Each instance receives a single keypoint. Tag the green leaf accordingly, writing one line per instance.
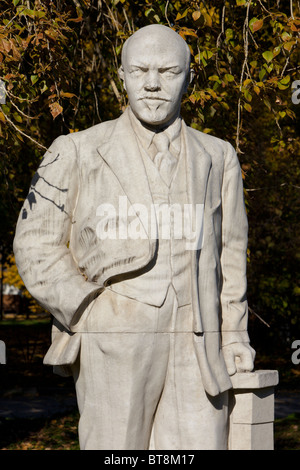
(225, 105)
(17, 117)
(214, 78)
(43, 86)
(15, 2)
(247, 95)
(229, 78)
(281, 86)
(268, 104)
(268, 68)
(180, 16)
(296, 290)
(268, 56)
(248, 107)
(33, 13)
(285, 80)
(240, 2)
(286, 36)
(6, 108)
(262, 73)
(276, 50)
(207, 54)
(118, 49)
(204, 63)
(34, 79)
(247, 82)
(229, 34)
(28, 12)
(40, 14)
(148, 11)
(201, 116)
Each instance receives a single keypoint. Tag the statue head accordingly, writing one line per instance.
(156, 73)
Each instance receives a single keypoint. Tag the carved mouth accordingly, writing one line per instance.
(153, 98)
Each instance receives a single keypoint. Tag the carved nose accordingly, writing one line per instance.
(152, 87)
(152, 82)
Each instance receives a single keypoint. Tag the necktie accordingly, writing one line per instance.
(164, 160)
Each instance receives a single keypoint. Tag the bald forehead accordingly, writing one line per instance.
(163, 39)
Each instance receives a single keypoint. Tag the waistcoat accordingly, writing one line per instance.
(172, 261)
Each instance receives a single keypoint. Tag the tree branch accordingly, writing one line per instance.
(21, 132)
(245, 63)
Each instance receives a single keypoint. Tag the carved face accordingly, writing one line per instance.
(155, 71)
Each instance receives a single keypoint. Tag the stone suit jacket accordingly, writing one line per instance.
(65, 265)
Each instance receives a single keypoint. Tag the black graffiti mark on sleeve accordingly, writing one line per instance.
(37, 177)
(31, 196)
(31, 199)
(50, 163)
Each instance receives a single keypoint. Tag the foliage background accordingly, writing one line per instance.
(59, 61)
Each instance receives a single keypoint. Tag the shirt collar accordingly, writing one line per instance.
(145, 135)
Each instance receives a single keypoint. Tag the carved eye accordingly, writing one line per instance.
(136, 72)
(169, 73)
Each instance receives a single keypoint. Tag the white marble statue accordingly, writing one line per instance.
(133, 236)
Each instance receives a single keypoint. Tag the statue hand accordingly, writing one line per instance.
(239, 357)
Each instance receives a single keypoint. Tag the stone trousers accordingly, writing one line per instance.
(138, 383)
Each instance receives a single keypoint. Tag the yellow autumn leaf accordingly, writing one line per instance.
(208, 19)
(196, 15)
(257, 25)
(67, 94)
(55, 109)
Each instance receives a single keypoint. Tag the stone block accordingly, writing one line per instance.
(251, 408)
(252, 437)
(257, 379)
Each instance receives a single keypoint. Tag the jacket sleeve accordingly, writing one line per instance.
(43, 230)
(234, 253)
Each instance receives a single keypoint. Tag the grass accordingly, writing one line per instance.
(27, 341)
(287, 433)
(60, 433)
(57, 433)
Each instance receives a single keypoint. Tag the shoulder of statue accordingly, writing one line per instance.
(98, 131)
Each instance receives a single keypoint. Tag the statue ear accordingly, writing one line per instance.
(192, 76)
(121, 75)
(189, 79)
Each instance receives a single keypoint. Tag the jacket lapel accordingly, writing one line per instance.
(121, 153)
(198, 165)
